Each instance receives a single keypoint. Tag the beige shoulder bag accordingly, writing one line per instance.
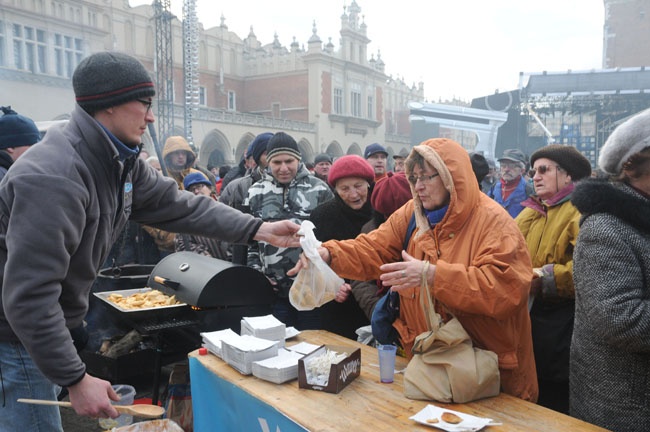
(445, 366)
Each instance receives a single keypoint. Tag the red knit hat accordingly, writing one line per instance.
(350, 166)
(390, 193)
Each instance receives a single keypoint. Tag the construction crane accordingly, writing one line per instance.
(190, 65)
(164, 68)
(549, 135)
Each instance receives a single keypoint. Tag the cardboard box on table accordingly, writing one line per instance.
(341, 374)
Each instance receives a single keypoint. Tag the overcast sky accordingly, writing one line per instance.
(458, 48)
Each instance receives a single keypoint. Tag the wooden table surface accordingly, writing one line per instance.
(368, 404)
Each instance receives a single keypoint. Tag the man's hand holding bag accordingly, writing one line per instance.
(445, 366)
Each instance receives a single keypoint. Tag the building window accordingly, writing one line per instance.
(3, 53)
(29, 49)
(68, 52)
(338, 101)
(275, 110)
(232, 101)
(371, 110)
(355, 103)
(203, 96)
(92, 19)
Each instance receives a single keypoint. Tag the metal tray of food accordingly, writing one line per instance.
(162, 311)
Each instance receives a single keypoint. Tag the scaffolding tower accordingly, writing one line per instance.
(164, 68)
(190, 65)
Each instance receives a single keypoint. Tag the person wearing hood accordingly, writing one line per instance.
(286, 191)
(179, 159)
(343, 218)
(610, 349)
(469, 249)
(17, 134)
(549, 223)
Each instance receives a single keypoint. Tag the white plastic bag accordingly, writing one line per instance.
(317, 284)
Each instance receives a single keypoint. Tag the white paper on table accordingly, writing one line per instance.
(303, 348)
(263, 322)
(291, 332)
(285, 358)
(213, 339)
(470, 423)
(250, 343)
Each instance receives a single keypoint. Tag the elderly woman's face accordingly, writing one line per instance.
(353, 191)
(429, 187)
(549, 178)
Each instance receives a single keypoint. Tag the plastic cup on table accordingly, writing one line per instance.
(387, 362)
(127, 395)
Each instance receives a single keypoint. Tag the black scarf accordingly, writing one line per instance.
(335, 220)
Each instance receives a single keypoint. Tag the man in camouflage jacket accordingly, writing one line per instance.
(286, 191)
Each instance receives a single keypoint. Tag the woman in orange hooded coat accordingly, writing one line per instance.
(480, 266)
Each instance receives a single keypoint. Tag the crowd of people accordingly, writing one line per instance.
(542, 264)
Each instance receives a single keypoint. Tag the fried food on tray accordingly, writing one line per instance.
(143, 300)
(450, 418)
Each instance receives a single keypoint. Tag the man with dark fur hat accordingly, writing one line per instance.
(550, 223)
(89, 182)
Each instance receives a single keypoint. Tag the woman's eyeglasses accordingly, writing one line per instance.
(424, 179)
(146, 103)
(543, 169)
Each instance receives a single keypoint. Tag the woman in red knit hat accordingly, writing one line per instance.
(342, 218)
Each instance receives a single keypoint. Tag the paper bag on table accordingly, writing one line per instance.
(317, 284)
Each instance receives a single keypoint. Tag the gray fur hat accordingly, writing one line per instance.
(627, 139)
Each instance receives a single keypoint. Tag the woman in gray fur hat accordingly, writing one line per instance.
(610, 350)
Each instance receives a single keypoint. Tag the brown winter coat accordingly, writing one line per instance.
(483, 269)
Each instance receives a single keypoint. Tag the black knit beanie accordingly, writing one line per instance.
(258, 146)
(282, 143)
(567, 157)
(17, 130)
(107, 79)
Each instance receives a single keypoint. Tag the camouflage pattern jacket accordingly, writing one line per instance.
(272, 201)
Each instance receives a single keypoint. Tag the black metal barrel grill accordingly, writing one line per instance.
(220, 292)
(216, 295)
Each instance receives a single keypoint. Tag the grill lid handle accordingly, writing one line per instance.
(166, 282)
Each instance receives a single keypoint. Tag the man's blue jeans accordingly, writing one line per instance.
(20, 378)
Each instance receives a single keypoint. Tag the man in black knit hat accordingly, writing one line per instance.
(89, 182)
(17, 134)
(286, 191)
